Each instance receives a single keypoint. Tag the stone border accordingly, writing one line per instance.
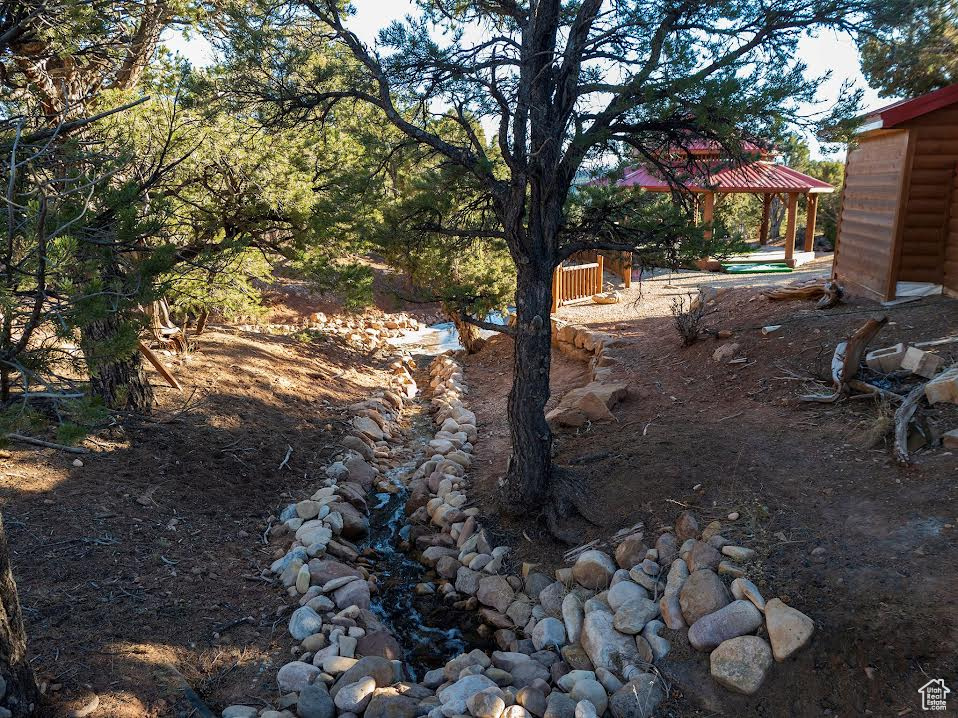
(574, 646)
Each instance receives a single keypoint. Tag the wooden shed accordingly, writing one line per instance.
(898, 229)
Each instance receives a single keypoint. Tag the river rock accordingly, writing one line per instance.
(548, 633)
(355, 593)
(572, 616)
(304, 622)
(238, 711)
(738, 553)
(741, 664)
(533, 700)
(515, 711)
(667, 547)
(360, 472)
(559, 705)
(324, 570)
(354, 697)
(294, 676)
(447, 567)
(576, 657)
(315, 702)
(687, 526)
(358, 445)
(585, 709)
(379, 643)
(638, 698)
(379, 669)
(431, 556)
(623, 592)
(485, 705)
(495, 591)
(355, 524)
(735, 619)
(520, 611)
(593, 569)
(702, 593)
(607, 648)
(455, 695)
(703, 556)
(659, 646)
(551, 598)
(789, 630)
(527, 673)
(467, 581)
(630, 552)
(390, 703)
(633, 615)
(592, 691)
(535, 582)
(745, 589)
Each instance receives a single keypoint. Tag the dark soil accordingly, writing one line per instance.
(801, 475)
(140, 564)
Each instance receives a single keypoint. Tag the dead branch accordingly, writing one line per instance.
(47, 444)
(158, 365)
(828, 293)
(846, 362)
(903, 416)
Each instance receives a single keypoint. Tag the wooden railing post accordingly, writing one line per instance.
(601, 276)
(556, 287)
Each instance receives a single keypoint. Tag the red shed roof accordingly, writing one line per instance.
(756, 177)
(905, 110)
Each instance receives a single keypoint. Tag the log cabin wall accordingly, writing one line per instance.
(929, 197)
(875, 177)
(951, 242)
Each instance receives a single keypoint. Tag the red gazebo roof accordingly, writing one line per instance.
(755, 177)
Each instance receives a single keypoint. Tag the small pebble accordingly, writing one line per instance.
(733, 516)
(77, 463)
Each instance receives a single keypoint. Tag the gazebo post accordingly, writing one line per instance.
(810, 222)
(766, 214)
(790, 230)
(707, 213)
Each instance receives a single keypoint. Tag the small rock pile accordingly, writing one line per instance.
(594, 401)
(368, 331)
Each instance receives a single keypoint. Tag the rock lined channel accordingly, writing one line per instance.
(387, 558)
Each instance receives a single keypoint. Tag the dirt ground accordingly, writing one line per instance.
(136, 569)
(802, 476)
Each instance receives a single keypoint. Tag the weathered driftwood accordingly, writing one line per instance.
(903, 417)
(846, 362)
(827, 292)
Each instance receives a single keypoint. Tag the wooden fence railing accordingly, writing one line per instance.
(618, 263)
(578, 281)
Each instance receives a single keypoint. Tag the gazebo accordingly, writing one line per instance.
(714, 174)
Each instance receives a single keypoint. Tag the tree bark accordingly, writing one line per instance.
(21, 690)
(469, 334)
(529, 478)
(119, 380)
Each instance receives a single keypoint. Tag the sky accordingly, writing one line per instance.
(828, 51)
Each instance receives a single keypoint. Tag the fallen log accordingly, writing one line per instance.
(847, 359)
(827, 292)
(47, 444)
(903, 417)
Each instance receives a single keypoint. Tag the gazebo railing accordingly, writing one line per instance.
(578, 281)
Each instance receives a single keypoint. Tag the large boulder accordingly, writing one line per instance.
(633, 615)
(360, 472)
(355, 524)
(379, 643)
(390, 703)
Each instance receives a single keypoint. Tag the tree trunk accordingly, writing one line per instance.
(469, 334)
(21, 690)
(119, 380)
(528, 481)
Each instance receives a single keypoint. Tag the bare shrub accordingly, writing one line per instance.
(687, 321)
